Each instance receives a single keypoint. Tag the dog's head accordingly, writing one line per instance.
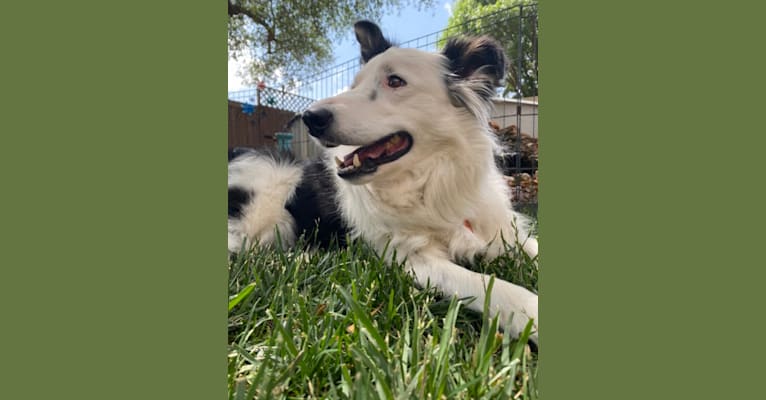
(407, 105)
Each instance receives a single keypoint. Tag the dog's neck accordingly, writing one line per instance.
(441, 192)
(397, 194)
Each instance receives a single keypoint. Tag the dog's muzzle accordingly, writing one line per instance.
(317, 121)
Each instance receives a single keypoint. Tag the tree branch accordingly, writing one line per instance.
(236, 9)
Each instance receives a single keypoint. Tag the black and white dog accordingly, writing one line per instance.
(408, 163)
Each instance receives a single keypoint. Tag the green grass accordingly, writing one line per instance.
(344, 324)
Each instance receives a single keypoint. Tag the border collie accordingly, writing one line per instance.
(408, 165)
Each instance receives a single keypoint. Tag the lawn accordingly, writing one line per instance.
(344, 324)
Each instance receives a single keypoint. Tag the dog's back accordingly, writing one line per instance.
(270, 194)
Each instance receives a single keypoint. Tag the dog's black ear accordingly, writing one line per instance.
(370, 39)
(476, 58)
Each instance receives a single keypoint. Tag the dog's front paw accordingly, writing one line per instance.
(236, 237)
(517, 304)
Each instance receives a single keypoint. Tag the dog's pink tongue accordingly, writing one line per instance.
(392, 146)
(372, 151)
(400, 145)
(365, 153)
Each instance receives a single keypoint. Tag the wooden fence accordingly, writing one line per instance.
(255, 126)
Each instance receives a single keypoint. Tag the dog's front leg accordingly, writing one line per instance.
(507, 299)
(530, 247)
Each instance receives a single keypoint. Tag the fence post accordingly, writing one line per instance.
(519, 96)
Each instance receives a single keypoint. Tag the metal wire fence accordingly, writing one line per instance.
(516, 25)
(272, 97)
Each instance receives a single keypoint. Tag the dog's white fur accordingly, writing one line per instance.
(418, 204)
(265, 217)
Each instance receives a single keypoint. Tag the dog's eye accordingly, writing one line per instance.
(396, 82)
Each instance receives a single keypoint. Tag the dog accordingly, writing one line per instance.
(408, 164)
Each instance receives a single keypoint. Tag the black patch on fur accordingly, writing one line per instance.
(238, 151)
(533, 347)
(476, 58)
(370, 39)
(476, 64)
(314, 207)
(374, 95)
(238, 198)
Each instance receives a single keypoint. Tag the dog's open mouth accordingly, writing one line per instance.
(366, 159)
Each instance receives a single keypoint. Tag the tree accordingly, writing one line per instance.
(290, 38)
(500, 19)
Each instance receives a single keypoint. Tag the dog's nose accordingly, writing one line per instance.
(317, 121)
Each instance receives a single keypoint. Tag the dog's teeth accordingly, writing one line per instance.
(357, 162)
(338, 161)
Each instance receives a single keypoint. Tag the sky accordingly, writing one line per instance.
(408, 24)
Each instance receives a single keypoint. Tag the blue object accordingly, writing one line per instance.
(284, 140)
(248, 109)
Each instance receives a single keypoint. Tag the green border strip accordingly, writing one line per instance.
(650, 119)
(113, 173)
